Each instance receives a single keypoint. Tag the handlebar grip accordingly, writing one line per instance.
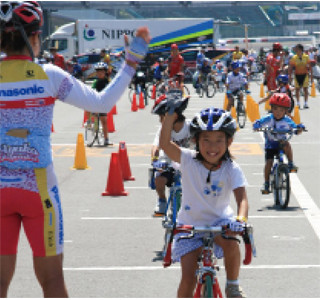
(248, 254)
(167, 259)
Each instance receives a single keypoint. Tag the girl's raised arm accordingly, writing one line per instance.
(170, 148)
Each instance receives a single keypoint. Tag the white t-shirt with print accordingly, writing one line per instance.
(181, 138)
(204, 203)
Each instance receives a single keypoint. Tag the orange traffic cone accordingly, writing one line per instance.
(262, 94)
(141, 101)
(154, 89)
(114, 110)
(313, 90)
(124, 162)
(114, 184)
(80, 160)
(85, 117)
(296, 115)
(225, 103)
(134, 106)
(110, 123)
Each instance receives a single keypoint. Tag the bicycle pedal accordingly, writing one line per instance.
(158, 215)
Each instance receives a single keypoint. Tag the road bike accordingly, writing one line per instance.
(279, 177)
(207, 281)
(206, 86)
(93, 130)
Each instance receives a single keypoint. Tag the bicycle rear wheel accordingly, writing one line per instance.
(207, 288)
(149, 89)
(130, 94)
(186, 91)
(241, 114)
(90, 133)
(211, 90)
(282, 186)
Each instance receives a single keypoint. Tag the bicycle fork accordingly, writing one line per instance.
(207, 268)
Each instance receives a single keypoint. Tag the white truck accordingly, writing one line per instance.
(85, 35)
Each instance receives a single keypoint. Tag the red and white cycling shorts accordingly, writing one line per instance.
(30, 197)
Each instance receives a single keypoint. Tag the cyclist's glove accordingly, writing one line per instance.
(137, 50)
(299, 126)
(237, 226)
(176, 104)
(256, 125)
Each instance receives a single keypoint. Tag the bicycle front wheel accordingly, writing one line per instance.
(283, 186)
(207, 288)
(241, 114)
(90, 133)
(211, 89)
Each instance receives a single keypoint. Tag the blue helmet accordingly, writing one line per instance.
(235, 65)
(283, 79)
(213, 119)
(101, 66)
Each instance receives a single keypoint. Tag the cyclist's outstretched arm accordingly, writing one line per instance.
(240, 195)
(72, 91)
(170, 148)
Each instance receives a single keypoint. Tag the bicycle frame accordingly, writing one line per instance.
(279, 168)
(207, 271)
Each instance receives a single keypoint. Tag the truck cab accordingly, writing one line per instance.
(65, 40)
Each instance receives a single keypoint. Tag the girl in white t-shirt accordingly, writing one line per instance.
(209, 176)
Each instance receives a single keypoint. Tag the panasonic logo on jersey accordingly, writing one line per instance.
(32, 90)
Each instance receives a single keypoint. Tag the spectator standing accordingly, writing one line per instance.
(274, 63)
(176, 61)
(57, 59)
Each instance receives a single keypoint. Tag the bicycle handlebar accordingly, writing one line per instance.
(275, 131)
(247, 236)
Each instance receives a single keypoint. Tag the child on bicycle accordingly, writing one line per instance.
(99, 84)
(278, 119)
(234, 83)
(209, 175)
(180, 134)
(283, 87)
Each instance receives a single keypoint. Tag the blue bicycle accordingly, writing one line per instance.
(279, 177)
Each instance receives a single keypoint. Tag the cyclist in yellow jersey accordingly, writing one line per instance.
(236, 55)
(300, 63)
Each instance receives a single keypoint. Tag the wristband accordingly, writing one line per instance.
(242, 219)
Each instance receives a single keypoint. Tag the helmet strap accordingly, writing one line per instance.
(24, 35)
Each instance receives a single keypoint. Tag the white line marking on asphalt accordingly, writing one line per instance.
(157, 268)
(152, 218)
(307, 204)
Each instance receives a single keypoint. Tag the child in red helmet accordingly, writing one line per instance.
(277, 119)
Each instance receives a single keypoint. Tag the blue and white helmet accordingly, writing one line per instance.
(213, 119)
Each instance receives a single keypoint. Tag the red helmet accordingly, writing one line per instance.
(277, 46)
(160, 105)
(280, 99)
(15, 13)
(174, 46)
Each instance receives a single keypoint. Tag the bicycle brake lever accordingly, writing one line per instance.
(186, 237)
